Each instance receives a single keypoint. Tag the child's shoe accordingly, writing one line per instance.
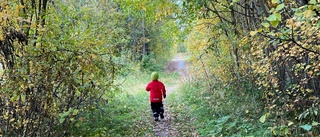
(161, 116)
(156, 119)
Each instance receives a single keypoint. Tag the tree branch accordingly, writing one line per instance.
(217, 13)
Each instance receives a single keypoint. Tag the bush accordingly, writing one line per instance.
(149, 63)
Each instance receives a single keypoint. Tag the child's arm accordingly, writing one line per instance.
(164, 91)
(148, 88)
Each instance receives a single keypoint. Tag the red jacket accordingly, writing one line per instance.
(156, 89)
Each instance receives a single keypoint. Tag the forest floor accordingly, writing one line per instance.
(167, 127)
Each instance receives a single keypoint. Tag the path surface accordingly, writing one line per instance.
(165, 127)
(178, 64)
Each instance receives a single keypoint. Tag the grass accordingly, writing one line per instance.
(194, 110)
(219, 113)
(127, 113)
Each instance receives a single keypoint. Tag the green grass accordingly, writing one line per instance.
(127, 113)
(219, 113)
(192, 108)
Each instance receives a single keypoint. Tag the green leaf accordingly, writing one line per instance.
(274, 23)
(272, 17)
(75, 112)
(272, 10)
(314, 123)
(23, 98)
(61, 120)
(318, 25)
(265, 24)
(284, 131)
(235, 1)
(64, 114)
(313, 2)
(280, 7)
(278, 15)
(223, 119)
(306, 127)
(262, 119)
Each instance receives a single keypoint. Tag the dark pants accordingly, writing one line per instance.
(157, 108)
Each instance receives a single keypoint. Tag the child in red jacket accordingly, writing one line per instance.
(157, 90)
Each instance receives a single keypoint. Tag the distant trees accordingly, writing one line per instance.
(152, 31)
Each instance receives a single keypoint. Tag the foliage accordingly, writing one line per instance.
(59, 64)
(128, 113)
(152, 30)
(219, 113)
(125, 114)
(150, 64)
(266, 45)
(62, 61)
(293, 58)
(210, 52)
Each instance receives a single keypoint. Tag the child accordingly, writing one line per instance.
(157, 90)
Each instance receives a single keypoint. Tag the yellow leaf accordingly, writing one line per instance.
(12, 119)
(290, 123)
(274, 1)
(309, 90)
(274, 132)
(33, 25)
(290, 23)
(308, 13)
(93, 56)
(31, 85)
(20, 19)
(252, 33)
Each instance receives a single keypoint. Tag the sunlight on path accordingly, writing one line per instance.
(179, 64)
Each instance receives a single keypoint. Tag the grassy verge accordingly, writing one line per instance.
(219, 113)
(128, 112)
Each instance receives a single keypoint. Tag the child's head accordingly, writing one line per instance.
(154, 75)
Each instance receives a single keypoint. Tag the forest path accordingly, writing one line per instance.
(165, 127)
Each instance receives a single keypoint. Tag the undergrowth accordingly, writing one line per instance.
(220, 113)
(127, 112)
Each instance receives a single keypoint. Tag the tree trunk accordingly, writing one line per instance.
(143, 35)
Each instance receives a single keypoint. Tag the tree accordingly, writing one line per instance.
(60, 59)
(147, 21)
(272, 46)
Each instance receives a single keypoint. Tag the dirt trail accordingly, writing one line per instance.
(178, 64)
(165, 127)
